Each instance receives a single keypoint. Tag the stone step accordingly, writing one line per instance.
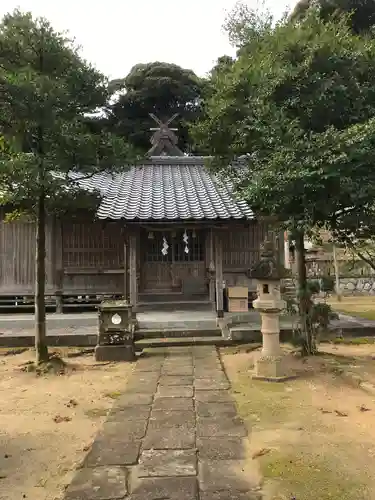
(151, 333)
(178, 342)
(177, 325)
(183, 305)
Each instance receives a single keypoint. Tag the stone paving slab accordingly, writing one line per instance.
(185, 361)
(171, 488)
(178, 365)
(171, 391)
(207, 361)
(170, 418)
(224, 448)
(215, 409)
(176, 380)
(164, 463)
(210, 385)
(173, 404)
(186, 371)
(103, 483)
(174, 434)
(213, 397)
(113, 450)
(129, 432)
(210, 373)
(172, 438)
(221, 426)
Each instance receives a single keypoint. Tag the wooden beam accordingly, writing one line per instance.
(219, 275)
(132, 249)
(57, 262)
(211, 266)
(126, 274)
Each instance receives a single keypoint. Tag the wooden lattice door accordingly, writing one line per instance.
(170, 270)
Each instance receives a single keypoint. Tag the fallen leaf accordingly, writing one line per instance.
(324, 411)
(261, 452)
(341, 413)
(58, 419)
(364, 408)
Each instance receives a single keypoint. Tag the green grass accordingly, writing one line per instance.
(113, 395)
(363, 307)
(354, 340)
(355, 311)
(310, 477)
(96, 412)
(303, 461)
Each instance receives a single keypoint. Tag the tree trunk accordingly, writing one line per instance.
(303, 295)
(40, 280)
(337, 273)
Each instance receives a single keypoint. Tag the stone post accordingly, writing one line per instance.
(268, 273)
(116, 332)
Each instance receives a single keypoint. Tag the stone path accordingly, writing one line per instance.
(174, 435)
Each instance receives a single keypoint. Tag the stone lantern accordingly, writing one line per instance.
(268, 273)
(116, 332)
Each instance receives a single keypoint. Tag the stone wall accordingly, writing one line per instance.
(358, 285)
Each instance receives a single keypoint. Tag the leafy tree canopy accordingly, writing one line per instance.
(362, 12)
(299, 106)
(47, 90)
(160, 88)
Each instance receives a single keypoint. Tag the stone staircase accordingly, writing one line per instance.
(178, 328)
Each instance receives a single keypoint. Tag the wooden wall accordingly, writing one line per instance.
(17, 258)
(241, 246)
(86, 257)
(92, 257)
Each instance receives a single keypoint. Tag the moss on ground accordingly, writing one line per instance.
(354, 341)
(96, 413)
(113, 395)
(303, 460)
(310, 477)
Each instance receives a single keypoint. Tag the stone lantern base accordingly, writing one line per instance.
(271, 369)
(115, 353)
(116, 332)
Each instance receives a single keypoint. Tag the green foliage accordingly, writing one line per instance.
(160, 88)
(298, 106)
(319, 315)
(47, 91)
(327, 284)
(362, 12)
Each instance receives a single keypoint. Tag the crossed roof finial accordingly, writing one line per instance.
(164, 140)
(164, 125)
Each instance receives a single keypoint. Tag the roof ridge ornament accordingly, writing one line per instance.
(164, 140)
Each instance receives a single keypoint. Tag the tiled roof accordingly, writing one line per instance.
(167, 188)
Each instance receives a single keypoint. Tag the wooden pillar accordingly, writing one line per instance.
(125, 271)
(133, 294)
(219, 275)
(57, 263)
(211, 266)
